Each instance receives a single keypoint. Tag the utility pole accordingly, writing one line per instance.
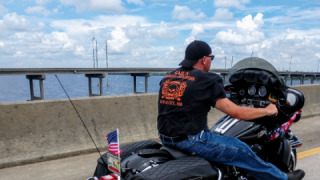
(107, 65)
(232, 62)
(93, 52)
(97, 54)
(290, 64)
(225, 62)
(318, 65)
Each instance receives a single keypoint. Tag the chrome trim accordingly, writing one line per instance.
(219, 173)
(293, 160)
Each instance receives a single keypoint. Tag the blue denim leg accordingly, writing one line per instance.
(230, 151)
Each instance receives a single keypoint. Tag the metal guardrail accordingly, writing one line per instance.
(19, 71)
(26, 71)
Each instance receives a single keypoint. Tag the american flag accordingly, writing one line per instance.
(113, 142)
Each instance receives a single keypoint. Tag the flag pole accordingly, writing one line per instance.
(118, 177)
(118, 143)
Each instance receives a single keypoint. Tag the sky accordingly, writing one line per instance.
(155, 33)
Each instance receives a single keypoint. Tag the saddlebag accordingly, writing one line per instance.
(102, 167)
(154, 168)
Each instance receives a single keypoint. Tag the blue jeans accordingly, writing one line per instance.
(229, 151)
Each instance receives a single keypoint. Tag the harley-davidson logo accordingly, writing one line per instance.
(172, 91)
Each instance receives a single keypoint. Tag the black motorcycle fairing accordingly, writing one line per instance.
(255, 76)
(251, 75)
(258, 64)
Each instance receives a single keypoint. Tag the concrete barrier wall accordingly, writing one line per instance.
(312, 99)
(48, 129)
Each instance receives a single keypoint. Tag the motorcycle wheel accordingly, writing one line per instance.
(129, 149)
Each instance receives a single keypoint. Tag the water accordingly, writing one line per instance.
(16, 88)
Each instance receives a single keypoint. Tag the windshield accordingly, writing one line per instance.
(255, 63)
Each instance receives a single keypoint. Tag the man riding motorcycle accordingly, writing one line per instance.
(185, 98)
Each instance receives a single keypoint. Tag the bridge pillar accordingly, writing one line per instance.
(100, 76)
(302, 79)
(146, 75)
(224, 76)
(39, 77)
(312, 79)
(285, 79)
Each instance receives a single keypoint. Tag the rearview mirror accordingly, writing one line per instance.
(291, 99)
(294, 100)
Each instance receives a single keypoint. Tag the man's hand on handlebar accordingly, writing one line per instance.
(272, 110)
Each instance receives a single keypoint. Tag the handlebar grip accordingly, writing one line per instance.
(267, 103)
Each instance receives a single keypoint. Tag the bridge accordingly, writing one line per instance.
(100, 73)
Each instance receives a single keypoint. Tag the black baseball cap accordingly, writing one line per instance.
(194, 51)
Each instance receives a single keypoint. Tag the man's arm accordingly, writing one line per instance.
(244, 113)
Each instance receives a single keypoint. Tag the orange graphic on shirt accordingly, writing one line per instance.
(173, 90)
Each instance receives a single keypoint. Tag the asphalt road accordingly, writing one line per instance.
(83, 166)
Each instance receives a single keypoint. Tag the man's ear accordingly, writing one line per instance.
(203, 60)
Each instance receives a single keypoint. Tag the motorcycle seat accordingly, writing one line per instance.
(175, 153)
(147, 153)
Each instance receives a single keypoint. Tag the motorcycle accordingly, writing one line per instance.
(252, 82)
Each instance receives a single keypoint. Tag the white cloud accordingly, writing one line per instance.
(249, 24)
(138, 2)
(196, 30)
(107, 5)
(246, 32)
(13, 22)
(151, 39)
(230, 3)
(222, 13)
(101, 5)
(162, 31)
(19, 54)
(183, 13)
(80, 26)
(38, 10)
(57, 38)
(118, 40)
(291, 44)
(248, 38)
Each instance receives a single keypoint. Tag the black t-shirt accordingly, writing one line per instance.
(185, 98)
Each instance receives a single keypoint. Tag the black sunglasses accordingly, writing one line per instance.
(212, 57)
